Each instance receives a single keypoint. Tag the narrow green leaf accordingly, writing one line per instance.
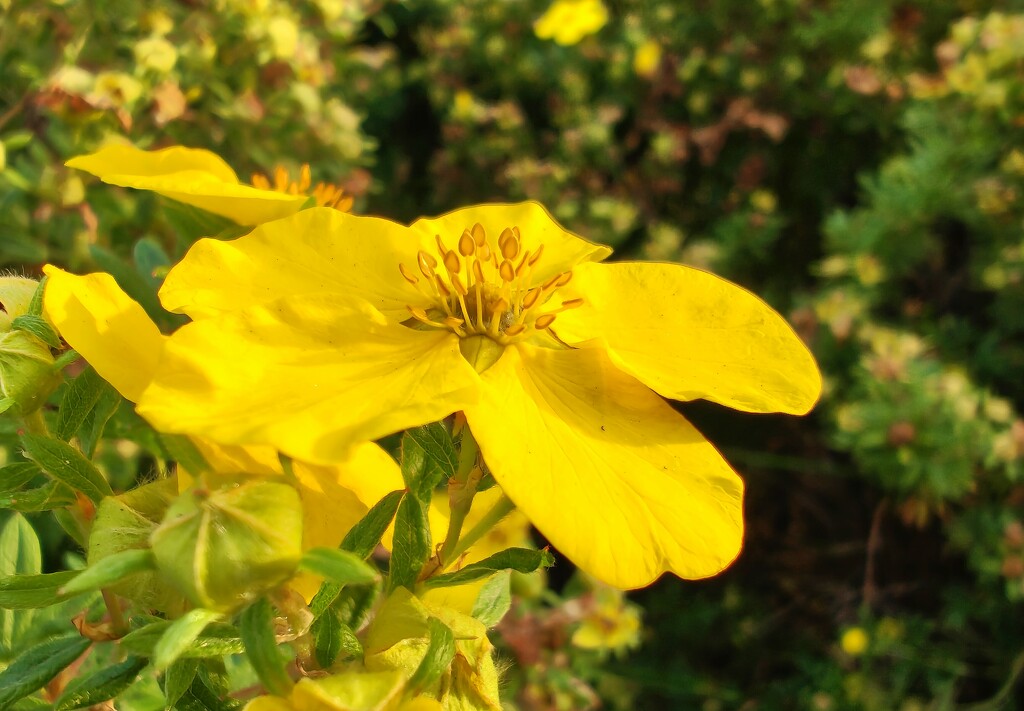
(354, 604)
(180, 634)
(131, 281)
(178, 679)
(439, 656)
(257, 625)
(214, 641)
(521, 560)
(326, 631)
(181, 449)
(79, 399)
(53, 495)
(67, 464)
(339, 566)
(99, 686)
(38, 327)
(92, 429)
(14, 476)
(19, 555)
(410, 546)
(112, 569)
(35, 667)
(365, 536)
(428, 458)
(24, 592)
(494, 599)
(35, 306)
(151, 261)
(209, 692)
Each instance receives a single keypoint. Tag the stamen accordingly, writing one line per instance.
(452, 263)
(531, 298)
(498, 309)
(479, 235)
(421, 315)
(478, 273)
(506, 271)
(564, 279)
(441, 287)
(536, 257)
(544, 321)
(305, 178)
(466, 244)
(411, 278)
(459, 287)
(515, 329)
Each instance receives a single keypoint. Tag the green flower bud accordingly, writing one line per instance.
(27, 375)
(126, 522)
(223, 548)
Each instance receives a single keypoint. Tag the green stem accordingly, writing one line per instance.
(461, 490)
(502, 508)
(36, 424)
(117, 622)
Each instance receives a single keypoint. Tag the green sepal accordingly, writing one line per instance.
(38, 327)
(438, 658)
(494, 599)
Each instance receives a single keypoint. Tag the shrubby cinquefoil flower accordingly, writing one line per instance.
(202, 179)
(325, 329)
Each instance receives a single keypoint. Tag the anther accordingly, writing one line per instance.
(466, 244)
(453, 323)
(305, 178)
(531, 298)
(515, 329)
(510, 247)
(515, 231)
(506, 271)
(536, 257)
(544, 321)
(451, 262)
(411, 278)
(426, 264)
(572, 304)
(484, 252)
(444, 291)
(478, 234)
(564, 279)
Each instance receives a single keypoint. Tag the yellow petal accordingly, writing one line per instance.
(689, 334)
(110, 330)
(231, 459)
(317, 250)
(189, 175)
(309, 375)
(617, 480)
(563, 250)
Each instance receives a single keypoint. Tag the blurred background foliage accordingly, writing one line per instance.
(859, 163)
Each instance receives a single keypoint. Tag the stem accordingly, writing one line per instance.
(461, 490)
(117, 622)
(502, 508)
(36, 424)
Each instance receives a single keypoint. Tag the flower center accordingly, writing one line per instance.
(483, 288)
(325, 194)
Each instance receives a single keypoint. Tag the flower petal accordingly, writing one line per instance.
(563, 250)
(309, 375)
(689, 334)
(316, 250)
(189, 175)
(110, 330)
(617, 480)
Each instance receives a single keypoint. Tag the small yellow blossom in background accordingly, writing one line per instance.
(200, 178)
(569, 21)
(647, 58)
(3, 156)
(325, 329)
(764, 201)
(283, 34)
(157, 54)
(114, 90)
(854, 641)
(610, 623)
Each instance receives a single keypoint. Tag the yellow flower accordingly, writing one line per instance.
(116, 336)
(200, 178)
(156, 53)
(854, 641)
(324, 329)
(610, 623)
(568, 21)
(647, 58)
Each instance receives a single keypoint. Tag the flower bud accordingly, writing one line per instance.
(27, 375)
(224, 547)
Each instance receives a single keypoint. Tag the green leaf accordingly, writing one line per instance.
(151, 261)
(38, 327)
(410, 546)
(439, 656)
(14, 476)
(53, 495)
(110, 570)
(35, 306)
(208, 692)
(365, 536)
(67, 464)
(24, 592)
(181, 449)
(35, 667)
(178, 679)
(214, 641)
(521, 560)
(132, 282)
(326, 632)
(96, 421)
(99, 686)
(257, 625)
(80, 397)
(494, 599)
(338, 566)
(19, 555)
(180, 635)
(428, 458)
